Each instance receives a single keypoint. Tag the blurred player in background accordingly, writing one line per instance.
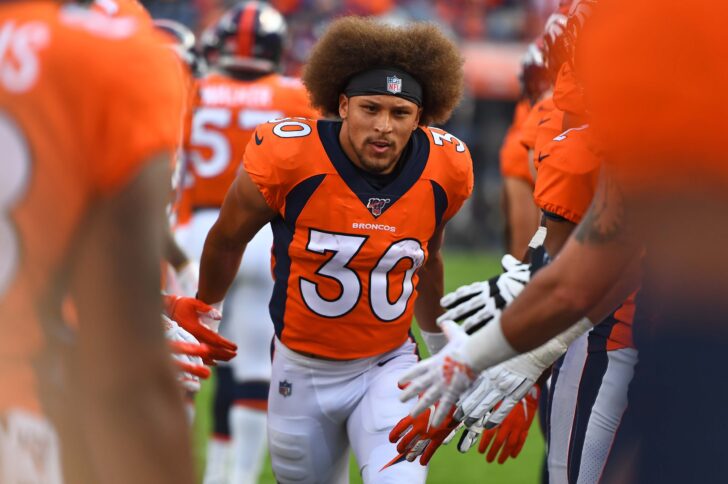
(661, 192)
(358, 208)
(522, 216)
(242, 89)
(85, 154)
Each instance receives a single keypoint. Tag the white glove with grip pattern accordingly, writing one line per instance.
(441, 378)
(509, 381)
(478, 303)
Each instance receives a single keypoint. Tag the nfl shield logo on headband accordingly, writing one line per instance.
(394, 84)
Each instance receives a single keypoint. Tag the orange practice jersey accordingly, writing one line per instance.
(223, 120)
(345, 253)
(84, 100)
(513, 155)
(566, 184)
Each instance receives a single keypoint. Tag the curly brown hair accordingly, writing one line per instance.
(355, 44)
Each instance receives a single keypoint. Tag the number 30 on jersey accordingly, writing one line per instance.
(345, 249)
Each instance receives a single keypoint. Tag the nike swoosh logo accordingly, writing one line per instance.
(382, 363)
(542, 157)
(543, 121)
(258, 141)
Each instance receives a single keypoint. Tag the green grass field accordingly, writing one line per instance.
(447, 466)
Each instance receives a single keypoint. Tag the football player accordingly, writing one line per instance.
(647, 197)
(86, 148)
(243, 89)
(357, 207)
(522, 217)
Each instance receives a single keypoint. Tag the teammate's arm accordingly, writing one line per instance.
(595, 258)
(430, 288)
(130, 403)
(244, 212)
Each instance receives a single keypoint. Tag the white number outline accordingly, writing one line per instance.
(380, 304)
(439, 138)
(18, 183)
(309, 289)
(379, 307)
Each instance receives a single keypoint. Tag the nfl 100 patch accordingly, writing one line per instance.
(376, 205)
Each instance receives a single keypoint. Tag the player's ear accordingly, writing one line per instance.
(417, 120)
(343, 106)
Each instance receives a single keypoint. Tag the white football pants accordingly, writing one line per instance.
(589, 397)
(318, 408)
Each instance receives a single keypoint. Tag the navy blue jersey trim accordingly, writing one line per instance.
(592, 375)
(440, 202)
(419, 152)
(283, 230)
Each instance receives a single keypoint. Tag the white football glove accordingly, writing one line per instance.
(478, 303)
(509, 381)
(184, 348)
(443, 377)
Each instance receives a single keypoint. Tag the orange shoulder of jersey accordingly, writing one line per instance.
(540, 113)
(546, 131)
(567, 179)
(281, 154)
(451, 168)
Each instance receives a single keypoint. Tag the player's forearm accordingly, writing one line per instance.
(219, 265)
(575, 285)
(429, 292)
(173, 252)
(127, 405)
(138, 426)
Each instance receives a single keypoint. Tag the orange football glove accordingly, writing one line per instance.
(201, 321)
(416, 437)
(509, 436)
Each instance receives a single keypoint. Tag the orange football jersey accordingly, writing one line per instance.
(567, 93)
(223, 120)
(567, 179)
(544, 122)
(566, 184)
(513, 155)
(346, 254)
(543, 115)
(85, 99)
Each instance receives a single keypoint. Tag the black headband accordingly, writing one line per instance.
(390, 81)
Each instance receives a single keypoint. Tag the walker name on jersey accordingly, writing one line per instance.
(229, 95)
(368, 226)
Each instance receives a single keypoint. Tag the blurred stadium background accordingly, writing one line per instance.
(493, 35)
